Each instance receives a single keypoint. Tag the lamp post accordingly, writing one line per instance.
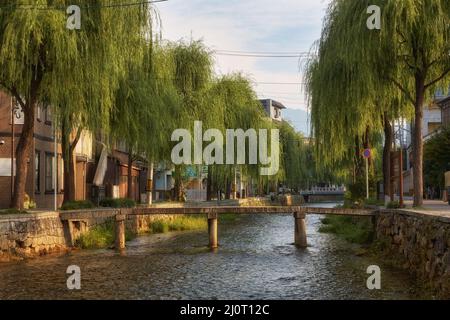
(15, 113)
(401, 129)
(55, 167)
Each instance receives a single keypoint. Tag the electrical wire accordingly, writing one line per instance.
(97, 6)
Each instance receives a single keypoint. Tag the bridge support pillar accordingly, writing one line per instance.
(120, 231)
(212, 229)
(300, 230)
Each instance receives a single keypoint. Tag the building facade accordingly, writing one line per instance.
(273, 109)
(444, 104)
(44, 161)
(45, 180)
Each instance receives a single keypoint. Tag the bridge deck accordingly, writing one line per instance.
(254, 210)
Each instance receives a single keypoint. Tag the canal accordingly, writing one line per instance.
(256, 260)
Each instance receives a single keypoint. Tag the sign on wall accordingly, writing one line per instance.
(5, 167)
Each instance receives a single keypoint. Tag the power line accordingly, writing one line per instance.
(280, 83)
(97, 6)
(259, 55)
(265, 52)
(287, 95)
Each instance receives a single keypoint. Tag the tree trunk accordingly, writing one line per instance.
(228, 189)
(388, 139)
(25, 144)
(68, 149)
(178, 184)
(209, 185)
(69, 177)
(23, 153)
(130, 175)
(358, 160)
(418, 141)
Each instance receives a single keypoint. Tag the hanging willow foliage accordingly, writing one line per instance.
(360, 74)
(76, 72)
(234, 105)
(148, 107)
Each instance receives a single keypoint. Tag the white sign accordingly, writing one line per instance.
(5, 167)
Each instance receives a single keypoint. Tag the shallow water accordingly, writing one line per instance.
(256, 260)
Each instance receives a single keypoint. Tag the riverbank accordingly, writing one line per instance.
(358, 230)
(416, 241)
(25, 235)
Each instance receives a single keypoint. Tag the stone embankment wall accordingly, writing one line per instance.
(28, 235)
(78, 222)
(284, 200)
(141, 224)
(420, 243)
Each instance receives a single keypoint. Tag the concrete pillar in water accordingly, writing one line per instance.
(300, 230)
(120, 231)
(212, 229)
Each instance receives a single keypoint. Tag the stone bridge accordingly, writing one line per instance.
(299, 213)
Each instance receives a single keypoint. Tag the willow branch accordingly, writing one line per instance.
(442, 76)
(398, 85)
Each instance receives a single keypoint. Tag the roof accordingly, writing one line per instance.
(443, 101)
(275, 103)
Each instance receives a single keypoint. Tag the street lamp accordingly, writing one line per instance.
(400, 160)
(15, 113)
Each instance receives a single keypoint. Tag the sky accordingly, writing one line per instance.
(279, 26)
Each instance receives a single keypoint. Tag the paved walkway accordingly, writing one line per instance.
(430, 207)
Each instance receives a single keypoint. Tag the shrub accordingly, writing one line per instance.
(374, 202)
(353, 229)
(357, 191)
(97, 238)
(100, 237)
(77, 205)
(13, 211)
(179, 223)
(118, 203)
(393, 205)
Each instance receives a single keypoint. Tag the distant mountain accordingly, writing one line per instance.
(298, 118)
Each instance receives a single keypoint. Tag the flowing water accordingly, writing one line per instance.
(256, 260)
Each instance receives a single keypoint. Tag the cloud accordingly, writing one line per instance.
(250, 25)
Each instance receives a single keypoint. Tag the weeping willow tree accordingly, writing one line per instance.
(76, 72)
(294, 161)
(415, 57)
(147, 109)
(362, 79)
(345, 99)
(233, 105)
(192, 72)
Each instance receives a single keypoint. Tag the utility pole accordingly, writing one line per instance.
(150, 184)
(400, 165)
(13, 112)
(367, 178)
(55, 167)
(367, 155)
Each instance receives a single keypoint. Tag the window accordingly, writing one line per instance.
(277, 113)
(60, 174)
(37, 171)
(39, 112)
(49, 168)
